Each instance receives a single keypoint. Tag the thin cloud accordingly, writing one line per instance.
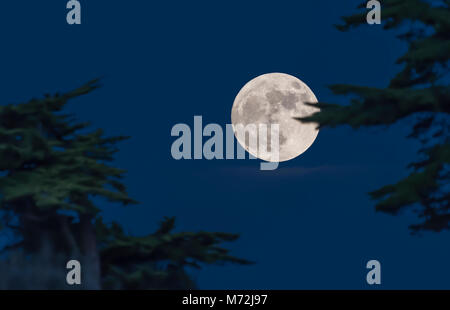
(297, 171)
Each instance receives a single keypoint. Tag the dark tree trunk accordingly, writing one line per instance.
(91, 264)
(68, 237)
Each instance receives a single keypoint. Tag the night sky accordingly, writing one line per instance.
(308, 225)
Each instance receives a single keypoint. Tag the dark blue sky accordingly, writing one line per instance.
(310, 224)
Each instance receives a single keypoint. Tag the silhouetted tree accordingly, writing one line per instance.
(158, 260)
(419, 90)
(51, 169)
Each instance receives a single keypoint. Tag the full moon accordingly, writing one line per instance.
(276, 98)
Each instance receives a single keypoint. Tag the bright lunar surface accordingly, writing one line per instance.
(276, 98)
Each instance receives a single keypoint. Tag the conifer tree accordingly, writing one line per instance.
(51, 169)
(420, 90)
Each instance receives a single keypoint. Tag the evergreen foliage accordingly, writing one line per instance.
(52, 168)
(420, 90)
